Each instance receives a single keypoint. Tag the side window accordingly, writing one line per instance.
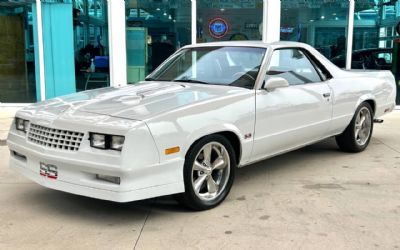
(294, 66)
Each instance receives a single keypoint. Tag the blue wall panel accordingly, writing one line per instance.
(58, 49)
(58, 42)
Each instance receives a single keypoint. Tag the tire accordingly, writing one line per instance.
(355, 138)
(202, 173)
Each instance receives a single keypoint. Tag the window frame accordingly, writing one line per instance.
(319, 67)
(314, 62)
(176, 54)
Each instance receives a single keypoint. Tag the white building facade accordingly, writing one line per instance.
(50, 48)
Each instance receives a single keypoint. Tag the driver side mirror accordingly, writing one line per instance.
(275, 82)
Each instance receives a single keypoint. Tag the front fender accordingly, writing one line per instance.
(168, 135)
(182, 127)
(212, 129)
(139, 148)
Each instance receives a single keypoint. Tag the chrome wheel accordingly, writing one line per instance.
(362, 128)
(210, 171)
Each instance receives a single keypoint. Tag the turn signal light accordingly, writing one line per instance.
(173, 150)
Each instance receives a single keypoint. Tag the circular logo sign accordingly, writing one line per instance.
(218, 27)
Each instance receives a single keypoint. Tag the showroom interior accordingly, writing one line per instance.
(50, 48)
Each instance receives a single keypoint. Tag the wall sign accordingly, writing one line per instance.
(218, 27)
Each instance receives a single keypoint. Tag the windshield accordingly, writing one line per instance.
(233, 66)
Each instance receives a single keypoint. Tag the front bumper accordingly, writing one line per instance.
(77, 172)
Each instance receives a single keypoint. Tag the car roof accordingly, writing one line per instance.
(259, 44)
(333, 69)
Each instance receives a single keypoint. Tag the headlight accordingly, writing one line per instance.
(117, 142)
(98, 141)
(104, 141)
(21, 124)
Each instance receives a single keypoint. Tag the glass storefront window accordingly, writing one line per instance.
(378, 31)
(322, 24)
(91, 44)
(17, 53)
(96, 8)
(80, 6)
(154, 31)
(374, 38)
(225, 20)
(365, 37)
(75, 37)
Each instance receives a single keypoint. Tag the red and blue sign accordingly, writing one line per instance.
(218, 28)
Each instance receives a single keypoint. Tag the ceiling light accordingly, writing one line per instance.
(322, 17)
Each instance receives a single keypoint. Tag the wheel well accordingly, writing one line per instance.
(232, 138)
(372, 104)
(235, 142)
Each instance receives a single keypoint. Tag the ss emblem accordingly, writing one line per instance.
(49, 171)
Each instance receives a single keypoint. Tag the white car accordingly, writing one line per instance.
(207, 110)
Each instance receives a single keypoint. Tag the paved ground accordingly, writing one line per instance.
(313, 198)
(6, 117)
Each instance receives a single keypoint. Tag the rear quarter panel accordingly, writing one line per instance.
(353, 88)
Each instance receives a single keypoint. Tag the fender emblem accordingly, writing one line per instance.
(247, 136)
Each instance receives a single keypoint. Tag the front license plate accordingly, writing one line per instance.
(49, 171)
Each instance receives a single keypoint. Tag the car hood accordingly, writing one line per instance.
(137, 102)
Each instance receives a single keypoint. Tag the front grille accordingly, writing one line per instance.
(55, 138)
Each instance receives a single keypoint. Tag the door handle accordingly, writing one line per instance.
(326, 95)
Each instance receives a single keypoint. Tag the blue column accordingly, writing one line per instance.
(58, 42)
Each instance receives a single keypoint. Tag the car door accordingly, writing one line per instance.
(292, 116)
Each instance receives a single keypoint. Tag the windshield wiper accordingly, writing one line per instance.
(190, 81)
(178, 80)
(154, 79)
